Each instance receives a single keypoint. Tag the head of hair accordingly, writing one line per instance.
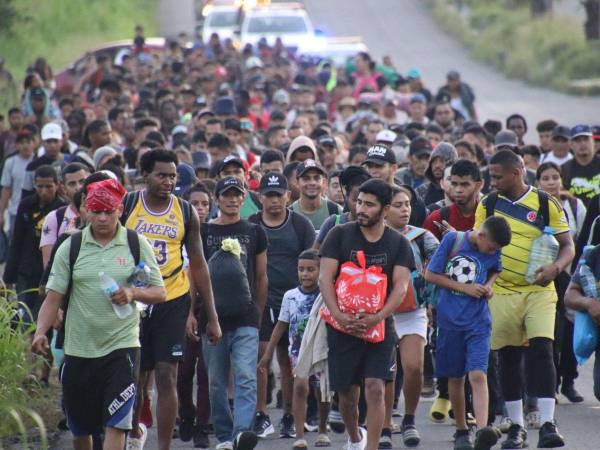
(466, 168)
(310, 254)
(498, 230)
(213, 121)
(271, 155)
(14, 110)
(149, 159)
(113, 114)
(507, 159)
(140, 124)
(72, 168)
(156, 136)
(46, 171)
(531, 150)
(219, 141)
(116, 169)
(355, 150)
(466, 145)
(546, 125)
(401, 190)
(290, 168)
(516, 116)
(198, 187)
(334, 174)
(93, 178)
(545, 166)
(271, 132)
(434, 128)
(379, 189)
(199, 137)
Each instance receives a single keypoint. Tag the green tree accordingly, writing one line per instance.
(592, 21)
(9, 16)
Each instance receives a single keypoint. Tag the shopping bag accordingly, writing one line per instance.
(585, 336)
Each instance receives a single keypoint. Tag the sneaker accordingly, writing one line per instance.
(439, 410)
(410, 436)
(336, 422)
(504, 424)
(385, 441)
(571, 393)
(262, 425)
(463, 441)
(201, 437)
(550, 437)
(138, 443)
(471, 422)
(227, 445)
(485, 438)
(533, 420)
(396, 413)
(186, 429)
(311, 425)
(517, 437)
(146, 413)
(428, 389)
(286, 427)
(358, 445)
(246, 440)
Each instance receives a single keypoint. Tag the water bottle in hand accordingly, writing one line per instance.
(544, 251)
(586, 276)
(109, 287)
(140, 278)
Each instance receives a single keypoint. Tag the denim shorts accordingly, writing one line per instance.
(459, 352)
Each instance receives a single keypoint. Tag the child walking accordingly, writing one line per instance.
(295, 310)
(465, 266)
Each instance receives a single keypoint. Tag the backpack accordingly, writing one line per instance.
(332, 208)
(76, 239)
(543, 211)
(419, 292)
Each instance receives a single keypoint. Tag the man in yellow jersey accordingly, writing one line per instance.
(169, 223)
(523, 313)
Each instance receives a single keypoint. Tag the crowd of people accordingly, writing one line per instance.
(256, 177)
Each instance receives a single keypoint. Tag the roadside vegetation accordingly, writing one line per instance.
(547, 50)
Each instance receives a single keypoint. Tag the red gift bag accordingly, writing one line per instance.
(360, 290)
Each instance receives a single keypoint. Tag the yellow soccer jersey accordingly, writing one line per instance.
(522, 217)
(166, 232)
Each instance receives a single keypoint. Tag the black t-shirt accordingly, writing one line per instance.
(582, 181)
(286, 242)
(253, 241)
(344, 241)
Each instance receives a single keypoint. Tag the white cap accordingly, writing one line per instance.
(253, 62)
(52, 131)
(386, 136)
(179, 129)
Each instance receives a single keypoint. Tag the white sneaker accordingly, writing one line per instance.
(504, 424)
(138, 443)
(227, 445)
(361, 444)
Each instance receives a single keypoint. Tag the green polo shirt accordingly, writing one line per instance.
(92, 328)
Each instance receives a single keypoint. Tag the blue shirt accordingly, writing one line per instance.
(455, 310)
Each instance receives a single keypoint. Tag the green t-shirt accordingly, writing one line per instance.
(249, 207)
(92, 328)
(319, 216)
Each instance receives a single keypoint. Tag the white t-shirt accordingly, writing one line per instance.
(551, 157)
(13, 176)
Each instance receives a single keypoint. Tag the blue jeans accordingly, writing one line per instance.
(238, 350)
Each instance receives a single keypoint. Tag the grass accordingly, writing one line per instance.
(61, 30)
(549, 51)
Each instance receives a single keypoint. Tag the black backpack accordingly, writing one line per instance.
(76, 238)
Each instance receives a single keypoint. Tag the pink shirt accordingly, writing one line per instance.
(51, 229)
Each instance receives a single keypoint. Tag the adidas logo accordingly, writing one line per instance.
(273, 181)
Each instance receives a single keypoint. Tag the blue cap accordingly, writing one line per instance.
(418, 98)
(224, 106)
(581, 130)
(185, 178)
(414, 73)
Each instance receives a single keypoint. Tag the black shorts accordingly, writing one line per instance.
(351, 359)
(100, 392)
(269, 320)
(162, 332)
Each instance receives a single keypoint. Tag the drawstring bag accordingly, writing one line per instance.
(360, 290)
(229, 280)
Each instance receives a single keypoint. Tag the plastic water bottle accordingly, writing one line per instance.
(544, 251)
(109, 287)
(586, 276)
(140, 277)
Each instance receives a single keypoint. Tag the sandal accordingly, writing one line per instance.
(300, 444)
(439, 410)
(323, 441)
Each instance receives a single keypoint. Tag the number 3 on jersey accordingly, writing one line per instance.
(160, 251)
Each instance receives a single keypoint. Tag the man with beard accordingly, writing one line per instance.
(356, 360)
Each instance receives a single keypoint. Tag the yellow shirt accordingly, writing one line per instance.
(166, 232)
(521, 215)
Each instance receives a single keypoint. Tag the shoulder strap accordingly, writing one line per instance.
(76, 239)
(445, 213)
(414, 233)
(186, 210)
(60, 216)
(337, 219)
(133, 241)
(490, 203)
(295, 218)
(573, 204)
(458, 242)
(129, 203)
(332, 208)
(544, 210)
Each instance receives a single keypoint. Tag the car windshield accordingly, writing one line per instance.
(222, 19)
(277, 24)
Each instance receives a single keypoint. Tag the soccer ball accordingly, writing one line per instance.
(462, 269)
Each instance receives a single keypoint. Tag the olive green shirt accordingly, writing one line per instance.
(92, 328)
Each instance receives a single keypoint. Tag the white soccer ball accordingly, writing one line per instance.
(462, 269)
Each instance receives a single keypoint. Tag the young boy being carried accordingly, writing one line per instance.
(295, 311)
(465, 267)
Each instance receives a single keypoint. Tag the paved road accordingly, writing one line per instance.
(405, 30)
